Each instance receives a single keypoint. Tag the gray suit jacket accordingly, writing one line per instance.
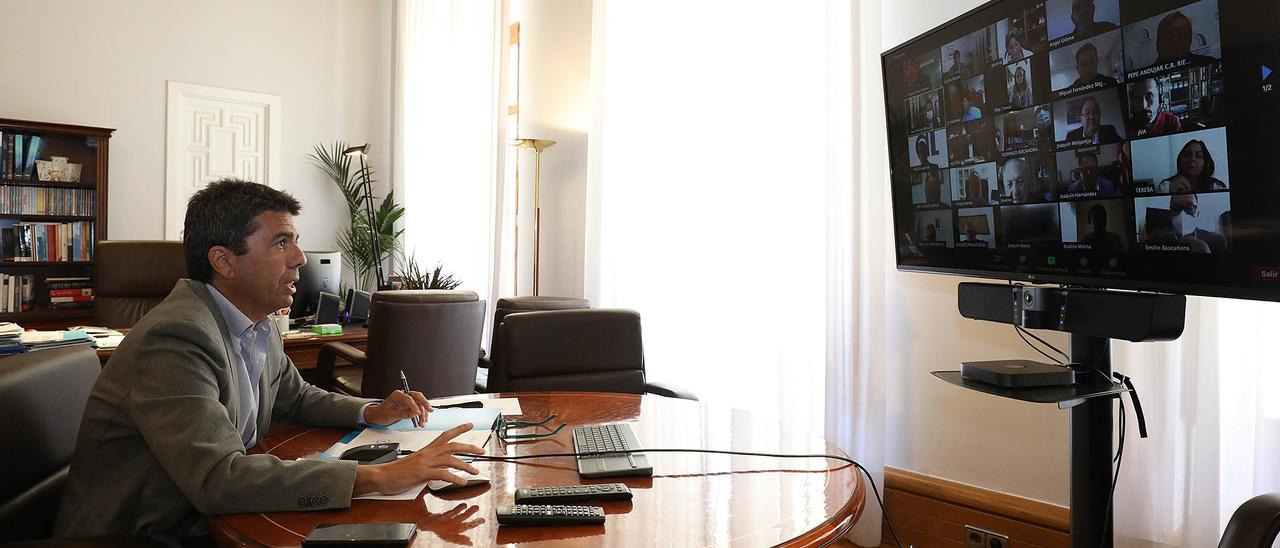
(158, 445)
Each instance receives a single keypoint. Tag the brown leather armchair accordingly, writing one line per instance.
(1254, 524)
(132, 277)
(432, 335)
(595, 350)
(42, 398)
(512, 305)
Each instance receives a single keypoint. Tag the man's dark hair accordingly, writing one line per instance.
(1088, 46)
(225, 213)
(1163, 27)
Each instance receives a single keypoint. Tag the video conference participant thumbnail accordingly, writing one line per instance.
(1027, 179)
(976, 227)
(1187, 35)
(1091, 172)
(1100, 226)
(972, 143)
(1184, 99)
(921, 72)
(925, 111)
(1029, 226)
(974, 185)
(928, 150)
(1022, 35)
(1071, 20)
(966, 99)
(1186, 162)
(1087, 65)
(931, 187)
(1093, 119)
(934, 228)
(1020, 90)
(970, 55)
(1027, 130)
(1184, 223)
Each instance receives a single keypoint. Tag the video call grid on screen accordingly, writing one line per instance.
(1133, 83)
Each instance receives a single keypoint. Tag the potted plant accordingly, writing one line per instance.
(353, 241)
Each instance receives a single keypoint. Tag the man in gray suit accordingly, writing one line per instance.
(200, 378)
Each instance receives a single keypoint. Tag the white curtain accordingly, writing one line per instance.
(447, 160)
(724, 205)
(1214, 422)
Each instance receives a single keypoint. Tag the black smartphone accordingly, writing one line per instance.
(360, 534)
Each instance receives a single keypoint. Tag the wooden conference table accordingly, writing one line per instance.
(693, 499)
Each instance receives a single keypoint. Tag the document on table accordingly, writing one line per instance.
(509, 406)
(411, 440)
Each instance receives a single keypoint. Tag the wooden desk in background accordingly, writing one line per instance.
(302, 350)
(692, 499)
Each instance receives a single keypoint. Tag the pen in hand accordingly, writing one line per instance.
(404, 383)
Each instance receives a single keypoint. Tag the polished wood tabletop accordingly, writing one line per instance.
(693, 499)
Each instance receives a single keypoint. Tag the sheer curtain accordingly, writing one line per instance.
(447, 159)
(722, 178)
(1214, 423)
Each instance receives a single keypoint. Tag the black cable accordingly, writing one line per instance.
(1115, 478)
(1020, 331)
(874, 490)
(1044, 342)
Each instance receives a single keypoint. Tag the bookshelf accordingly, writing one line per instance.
(30, 200)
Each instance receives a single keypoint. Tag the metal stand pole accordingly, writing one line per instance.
(1091, 471)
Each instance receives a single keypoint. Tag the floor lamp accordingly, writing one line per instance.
(537, 146)
(362, 151)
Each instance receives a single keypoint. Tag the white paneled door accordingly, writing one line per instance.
(213, 133)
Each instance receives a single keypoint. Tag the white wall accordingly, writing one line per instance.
(933, 427)
(105, 64)
(555, 103)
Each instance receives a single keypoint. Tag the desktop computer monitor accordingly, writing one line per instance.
(322, 273)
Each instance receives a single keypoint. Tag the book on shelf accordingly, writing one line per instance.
(15, 142)
(35, 146)
(15, 292)
(68, 282)
(49, 242)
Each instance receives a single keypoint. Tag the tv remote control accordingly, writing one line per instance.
(541, 514)
(567, 494)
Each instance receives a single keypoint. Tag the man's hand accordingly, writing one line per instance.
(429, 463)
(399, 406)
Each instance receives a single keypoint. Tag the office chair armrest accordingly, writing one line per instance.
(663, 390)
(324, 361)
(1254, 524)
(485, 363)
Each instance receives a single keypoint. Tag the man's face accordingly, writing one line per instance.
(955, 58)
(1144, 99)
(1015, 182)
(1089, 170)
(1184, 203)
(1082, 14)
(1087, 64)
(1099, 220)
(1175, 41)
(262, 280)
(1090, 118)
(922, 151)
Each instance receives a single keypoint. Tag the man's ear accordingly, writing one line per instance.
(222, 259)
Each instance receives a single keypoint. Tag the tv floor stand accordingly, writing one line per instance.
(1092, 318)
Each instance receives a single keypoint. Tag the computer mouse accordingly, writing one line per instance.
(472, 479)
(373, 453)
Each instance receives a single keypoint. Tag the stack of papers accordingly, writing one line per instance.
(43, 340)
(412, 438)
(101, 337)
(10, 342)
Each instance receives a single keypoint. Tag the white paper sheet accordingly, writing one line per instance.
(509, 406)
(413, 440)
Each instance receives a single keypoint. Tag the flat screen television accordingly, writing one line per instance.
(1128, 144)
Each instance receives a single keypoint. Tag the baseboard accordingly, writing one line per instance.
(929, 511)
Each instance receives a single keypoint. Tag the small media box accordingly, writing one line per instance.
(1018, 373)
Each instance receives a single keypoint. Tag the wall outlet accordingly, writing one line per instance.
(974, 537)
(981, 538)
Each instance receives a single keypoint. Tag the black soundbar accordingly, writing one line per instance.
(1112, 314)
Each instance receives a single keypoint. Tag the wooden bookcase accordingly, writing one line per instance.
(88, 146)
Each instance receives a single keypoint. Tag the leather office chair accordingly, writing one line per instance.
(431, 335)
(595, 350)
(132, 276)
(1254, 524)
(511, 305)
(42, 398)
